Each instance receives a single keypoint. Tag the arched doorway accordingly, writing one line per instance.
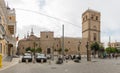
(48, 50)
(9, 49)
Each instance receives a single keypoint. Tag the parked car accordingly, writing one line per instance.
(36, 54)
(26, 57)
(48, 56)
(41, 57)
(67, 57)
(59, 61)
(77, 58)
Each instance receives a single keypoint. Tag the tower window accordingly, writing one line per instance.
(83, 19)
(86, 17)
(46, 36)
(57, 45)
(10, 18)
(68, 41)
(96, 17)
(92, 16)
(94, 36)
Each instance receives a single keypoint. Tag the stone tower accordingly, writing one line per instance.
(91, 25)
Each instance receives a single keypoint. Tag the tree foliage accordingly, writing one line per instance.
(59, 50)
(95, 47)
(33, 50)
(101, 49)
(66, 50)
(28, 49)
(39, 50)
(111, 50)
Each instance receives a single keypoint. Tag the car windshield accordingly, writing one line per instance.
(27, 56)
(41, 56)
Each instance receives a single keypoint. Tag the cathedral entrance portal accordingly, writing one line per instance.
(48, 51)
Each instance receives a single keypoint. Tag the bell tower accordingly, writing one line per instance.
(91, 25)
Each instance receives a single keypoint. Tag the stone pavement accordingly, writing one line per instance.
(7, 64)
(95, 66)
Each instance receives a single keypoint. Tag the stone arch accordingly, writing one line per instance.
(48, 50)
(10, 49)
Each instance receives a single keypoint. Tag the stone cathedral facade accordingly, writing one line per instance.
(49, 44)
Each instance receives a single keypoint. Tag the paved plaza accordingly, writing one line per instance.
(95, 66)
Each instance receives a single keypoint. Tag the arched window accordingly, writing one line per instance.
(86, 17)
(10, 18)
(96, 17)
(92, 16)
(94, 36)
(46, 36)
(68, 41)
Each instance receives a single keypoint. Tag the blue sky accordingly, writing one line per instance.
(65, 10)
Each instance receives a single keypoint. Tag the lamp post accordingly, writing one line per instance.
(79, 47)
(34, 48)
(88, 52)
(53, 52)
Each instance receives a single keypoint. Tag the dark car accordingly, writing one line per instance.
(59, 61)
(41, 58)
(67, 57)
(27, 57)
(77, 58)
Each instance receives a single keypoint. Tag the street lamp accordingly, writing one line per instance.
(79, 47)
(53, 52)
(34, 47)
(88, 52)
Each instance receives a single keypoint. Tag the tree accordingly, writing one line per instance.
(101, 52)
(95, 47)
(101, 49)
(33, 50)
(59, 50)
(66, 50)
(111, 50)
(28, 49)
(39, 50)
(118, 50)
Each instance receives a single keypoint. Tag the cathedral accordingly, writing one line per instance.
(50, 44)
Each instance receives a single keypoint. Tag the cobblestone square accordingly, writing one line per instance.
(95, 66)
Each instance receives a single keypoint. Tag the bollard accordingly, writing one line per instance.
(49, 62)
(0, 60)
(41, 60)
(34, 61)
(19, 61)
(26, 61)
